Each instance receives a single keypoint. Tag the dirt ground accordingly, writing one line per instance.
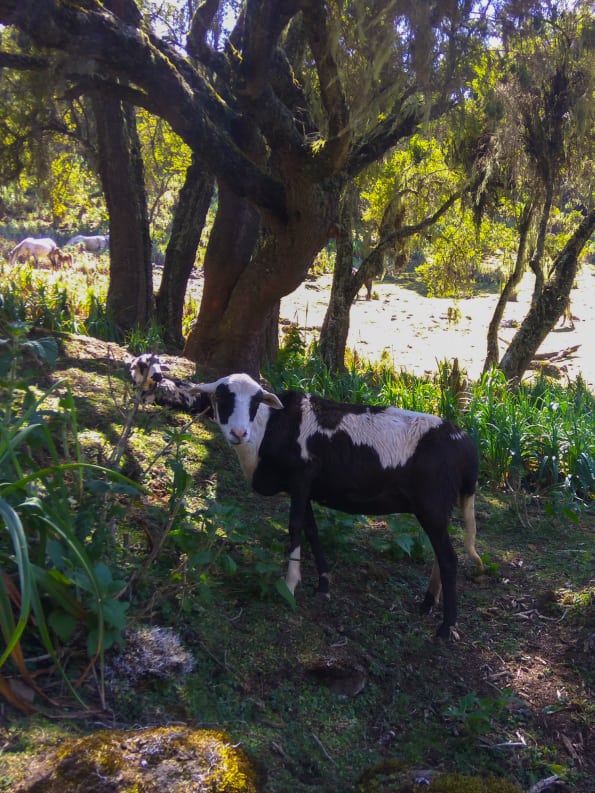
(415, 332)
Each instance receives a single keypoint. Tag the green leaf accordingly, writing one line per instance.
(406, 543)
(285, 593)
(228, 565)
(203, 557)
(114, 613)
(46, 348)
(12, 633)
(63, 625)
(103, 574)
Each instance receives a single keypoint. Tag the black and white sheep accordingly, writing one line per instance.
(355, 458)
(147, 375)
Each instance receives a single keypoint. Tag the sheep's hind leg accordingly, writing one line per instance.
(432, 596)
(311, 530)
(444, 573)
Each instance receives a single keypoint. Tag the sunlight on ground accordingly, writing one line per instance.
(415, 333)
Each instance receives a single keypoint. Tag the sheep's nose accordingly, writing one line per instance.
(157, 377)
(238, 435)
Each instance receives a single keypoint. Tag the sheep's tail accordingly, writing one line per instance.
(468, 509)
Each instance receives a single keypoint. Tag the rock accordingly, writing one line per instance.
(172, 759)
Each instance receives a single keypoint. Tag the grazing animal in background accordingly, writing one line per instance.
(66, 259)
(367, 283)
(96, 244)
(354, 458)
(567, 316)
(41, 248)
(58, 258)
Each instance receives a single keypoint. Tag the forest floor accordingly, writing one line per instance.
(414, 333)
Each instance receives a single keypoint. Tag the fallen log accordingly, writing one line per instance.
(560, 355)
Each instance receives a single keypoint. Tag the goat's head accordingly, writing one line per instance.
(146, 371)
(236, 399)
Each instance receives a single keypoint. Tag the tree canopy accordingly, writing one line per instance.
(284, 103)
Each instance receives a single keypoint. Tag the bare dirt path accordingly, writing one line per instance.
(415, 334)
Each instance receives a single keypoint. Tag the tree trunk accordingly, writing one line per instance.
(130, 292)
(509, 287)
(335, 327)
(247, 272)
(544, 314)
(344, 289)
(188, 222)
(346, 283)
(536, 261)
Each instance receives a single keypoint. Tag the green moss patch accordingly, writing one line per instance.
(173, 759)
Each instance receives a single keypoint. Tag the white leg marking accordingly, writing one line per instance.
(435, 584)
(468, 509)
(293, 576)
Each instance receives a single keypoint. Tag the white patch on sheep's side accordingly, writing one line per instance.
(393, 433)
(293, 577)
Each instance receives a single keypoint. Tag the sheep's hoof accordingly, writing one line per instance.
(324, 586)
(428, 603)
(448, 633)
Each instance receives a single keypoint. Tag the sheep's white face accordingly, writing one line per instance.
(237, 400)
(146, 371)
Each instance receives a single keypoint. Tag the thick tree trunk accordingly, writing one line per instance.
(247, 272)
(130, 293)
(226, 258)
(544, 314)
(188, 222)
(514, 279)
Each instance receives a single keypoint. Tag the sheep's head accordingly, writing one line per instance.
(146, 372)
(236, 399)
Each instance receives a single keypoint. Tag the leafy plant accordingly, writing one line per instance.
(47, 565)
(476, 715)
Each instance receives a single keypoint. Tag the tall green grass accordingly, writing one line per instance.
(57, 302)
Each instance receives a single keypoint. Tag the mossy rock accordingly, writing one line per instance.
(172, 759)
(393, 776)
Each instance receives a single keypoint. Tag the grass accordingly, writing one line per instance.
(319, 692)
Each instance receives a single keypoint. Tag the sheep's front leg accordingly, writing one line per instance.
(301, 516)
(447, 562)
(296, 521)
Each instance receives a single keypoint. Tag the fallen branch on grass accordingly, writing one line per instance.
(560, 355)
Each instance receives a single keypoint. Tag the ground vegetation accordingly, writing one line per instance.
(125, 522)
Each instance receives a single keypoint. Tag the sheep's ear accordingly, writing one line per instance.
(272, 400)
